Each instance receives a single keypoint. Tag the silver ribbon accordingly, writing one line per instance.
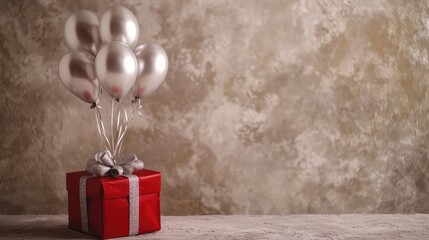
(103, 164)
(134, 204)
(83, 205)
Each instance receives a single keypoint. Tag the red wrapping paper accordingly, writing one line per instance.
(107, 203)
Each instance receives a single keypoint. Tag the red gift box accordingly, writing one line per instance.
(107, 203)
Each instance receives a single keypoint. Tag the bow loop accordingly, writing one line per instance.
(105, 158)
(129, 158)
(103, 164)
(95, 168)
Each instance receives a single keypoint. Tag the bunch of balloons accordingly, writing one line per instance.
(104, 56)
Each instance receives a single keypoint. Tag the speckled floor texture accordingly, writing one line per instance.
(353, 226)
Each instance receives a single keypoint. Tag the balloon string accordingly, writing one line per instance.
(124, 127)
(125, 123)
(100, 125)
(136, 104)
(99, 131)
(102, 129)
(122, 124)
(112, 116)
(119, 128)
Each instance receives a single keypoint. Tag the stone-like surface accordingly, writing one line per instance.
(270, 107)
(239, 227)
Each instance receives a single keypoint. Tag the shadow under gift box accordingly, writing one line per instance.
(108, 203)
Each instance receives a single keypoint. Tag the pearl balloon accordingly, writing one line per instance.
(116, 69)
(152, 69)
(118, 23)
(77, 74)
(81, 32)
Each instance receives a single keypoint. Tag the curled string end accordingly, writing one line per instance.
(139, 107)
(135, 100)
(95, 105)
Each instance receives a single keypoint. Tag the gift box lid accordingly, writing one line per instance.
(109, 188)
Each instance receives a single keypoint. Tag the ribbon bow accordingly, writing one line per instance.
(104, 165)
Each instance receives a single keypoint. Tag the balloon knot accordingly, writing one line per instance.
(94, 105)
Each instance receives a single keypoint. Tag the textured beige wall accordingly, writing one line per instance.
(270, 107)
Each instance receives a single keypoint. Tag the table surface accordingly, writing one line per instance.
(354, 226)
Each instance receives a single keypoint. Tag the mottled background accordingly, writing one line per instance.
(269, 107)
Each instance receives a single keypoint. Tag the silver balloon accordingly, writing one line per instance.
(116, 69)
(77, 74)
(152, 67)
(118, 23)
(81, 32)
